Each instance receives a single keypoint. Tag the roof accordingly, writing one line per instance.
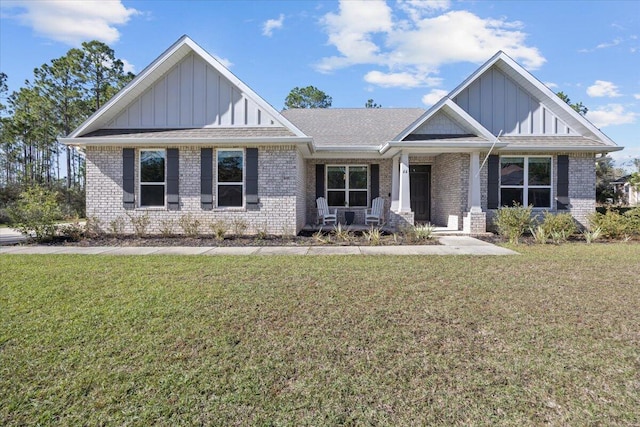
(361, 127)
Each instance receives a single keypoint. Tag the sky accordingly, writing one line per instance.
(400, 53)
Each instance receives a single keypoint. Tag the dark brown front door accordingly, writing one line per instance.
(420, 188)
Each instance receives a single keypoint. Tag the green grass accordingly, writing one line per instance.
(548, 337)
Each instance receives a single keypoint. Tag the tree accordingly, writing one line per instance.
(307, 97)
(579, 107)
(101, 72)
(371, 104)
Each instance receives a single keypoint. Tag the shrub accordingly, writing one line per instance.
(539, 234)
(633, 221)
(591, 235)
(190, 225)
(219, 229)
(320, 237)
(166, 227)
(373, 236)
(559, 226)
(116, 225)
(93, 226)
(612, 224)
(239, 227)
(342, 234)
(35, 212)
(512, 222)
(74, 231)
(140, 223)
(423, 232)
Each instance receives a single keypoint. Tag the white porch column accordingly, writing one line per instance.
(474, 203)
(404, 194)
(395, 184)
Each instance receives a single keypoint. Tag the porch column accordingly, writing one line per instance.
(473, 198)
(395, 185)
(404, 194)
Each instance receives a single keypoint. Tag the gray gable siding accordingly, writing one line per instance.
(498, 103)
(192, 94)
(441, 124)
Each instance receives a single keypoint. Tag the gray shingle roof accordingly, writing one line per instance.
(240, 132)
(550, 141)
(352, 126)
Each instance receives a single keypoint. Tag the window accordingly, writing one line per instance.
(347, 186)
(525, 181)
(230, 178)
(152, 177)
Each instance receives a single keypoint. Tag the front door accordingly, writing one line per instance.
(420, 189)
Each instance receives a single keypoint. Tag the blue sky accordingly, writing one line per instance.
(405, 53)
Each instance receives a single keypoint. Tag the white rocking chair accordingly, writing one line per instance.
(324, 213)
(374, 215)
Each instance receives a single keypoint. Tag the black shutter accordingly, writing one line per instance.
(493, 181)
(562, 192)
(375, 181)
(206, 179)
(251, 177)
(173, 179)
(128, 178)
(319, 180)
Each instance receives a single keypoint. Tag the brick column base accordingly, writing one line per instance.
(399, 220)
(474, 222)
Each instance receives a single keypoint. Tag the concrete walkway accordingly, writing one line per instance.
(449, 245)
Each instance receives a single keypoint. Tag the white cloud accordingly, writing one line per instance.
(73, 22)
(405, 80)
(636, 95)
(351, 30)
(370, 33)
(551, 85)
(272, 24)
(128, 67)
(603, 88)
(611, 115)
(434, 96)
(224, 61)
(417, 9)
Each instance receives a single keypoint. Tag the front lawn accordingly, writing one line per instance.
(548, 337)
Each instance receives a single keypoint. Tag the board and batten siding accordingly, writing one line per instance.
(498, 103)
(192, 94)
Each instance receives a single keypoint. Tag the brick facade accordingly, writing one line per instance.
(287, 186)
(280, 189)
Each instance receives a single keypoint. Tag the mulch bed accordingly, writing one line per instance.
(303, 239)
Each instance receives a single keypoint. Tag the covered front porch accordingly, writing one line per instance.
(444, 189)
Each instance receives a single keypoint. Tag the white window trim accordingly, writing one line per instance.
(218, 184)
(525, 187)
(346, 189)
(140, 183)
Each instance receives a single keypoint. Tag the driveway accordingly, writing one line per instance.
(9, 236)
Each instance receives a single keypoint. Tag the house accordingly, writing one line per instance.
(187, 137)
(630, 194)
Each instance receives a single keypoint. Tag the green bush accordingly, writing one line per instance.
(513, 222)
(559, 226)
(35, 212)
(190, 225)
(633, 221)
(612, 224)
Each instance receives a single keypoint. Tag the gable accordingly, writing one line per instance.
(184, 88)
(500, 104)
(192, 94)
(442, 124)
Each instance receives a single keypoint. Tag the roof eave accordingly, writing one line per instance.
(561, 148)
(109, 141)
